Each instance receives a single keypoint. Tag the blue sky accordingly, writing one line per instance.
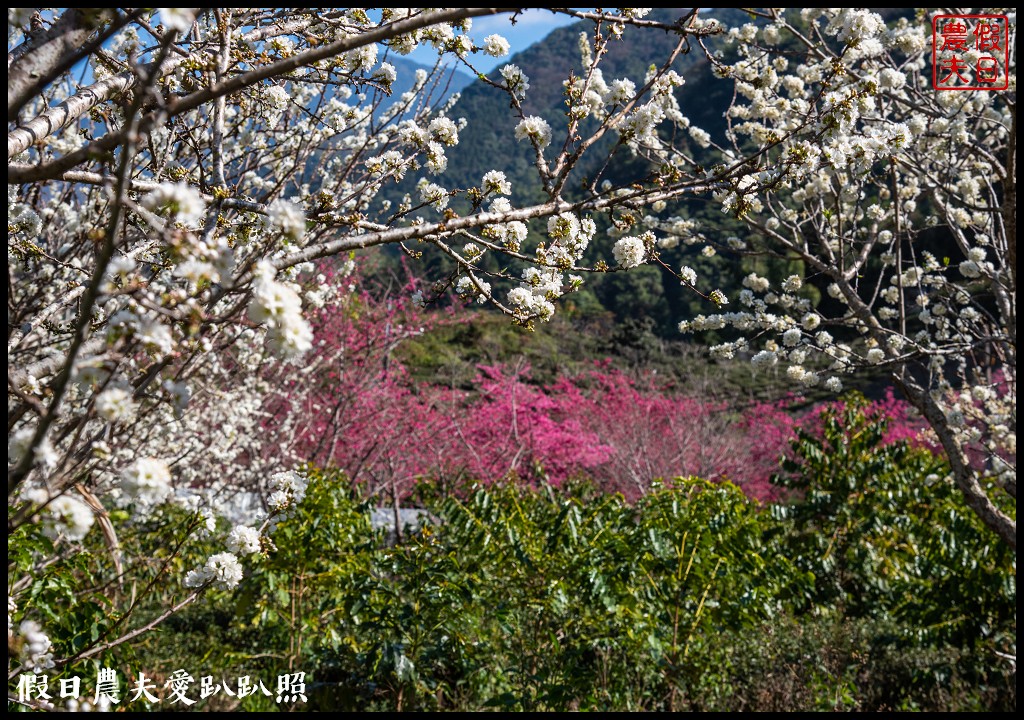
(531, 26)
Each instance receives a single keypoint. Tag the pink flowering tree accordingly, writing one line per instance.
(353, 405)
(651, 432)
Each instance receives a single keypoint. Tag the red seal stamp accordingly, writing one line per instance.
(970, 52)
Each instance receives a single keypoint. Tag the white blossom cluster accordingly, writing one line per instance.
(509, 235)
(20, 442)
(629, 251)
(178, 201)
(861, 145)
(179, 19)
(287, 218)
(146, 482)
(544, 283)
(36, 650)
(494, 181)
(115, 405)
(287, 489)
(222, 570)
(244, 540)
(496, 46)
(63, 517)
(471, 288)
(536, 129)
(516, 82)
(278, 307)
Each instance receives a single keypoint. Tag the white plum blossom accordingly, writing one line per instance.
(36, 650)
(147, 482)
(222, 569)
(467, 288)
(621, 92)
(362, 58)
(520, 297)
(178, 200)
(31, 385)
(287, 489)
(629, 251)
(277, 97)
(437, 159)
(385, 74)
(288, 218)
(439, 35)
(756, 283)
(63, 517)
(197, 271)
(444, 130)
(718, 297)
(564, 226)
(796, 372)
(179, 19)
(496, 46)
(639, 126)
(764, 359)
(701, 137)
(892, 78)
(279, 307)
(433, 194)
(115, 405)
(205, 519)
(970, 269)
(120, 266)
(834, 384)
(495, 182)
(155, 336)
(20, 441)
(244, 540)
(791, 338)
(810, 321)
(792, 283)
(857, 25)
(515, 80)
(536, 129)
(69, 518)
(528, 303)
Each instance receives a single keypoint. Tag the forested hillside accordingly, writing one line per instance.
(650, 301)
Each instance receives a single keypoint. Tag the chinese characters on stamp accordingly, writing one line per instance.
(970, 52)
